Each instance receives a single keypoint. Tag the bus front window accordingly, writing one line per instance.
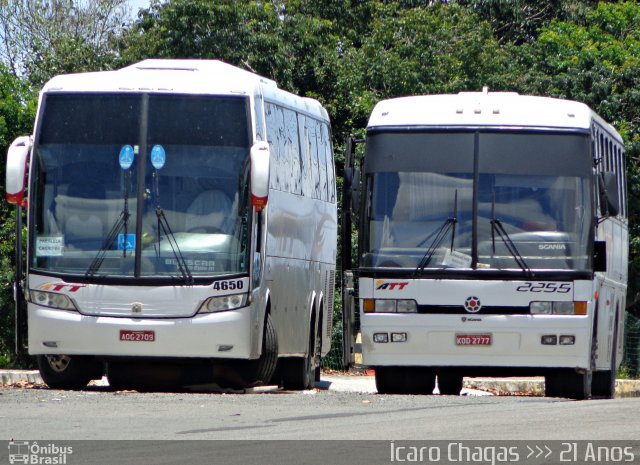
(137, 185)
(500, 201)
(534, 189)
(413, 214)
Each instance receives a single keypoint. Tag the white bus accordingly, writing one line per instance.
(493, 240)
(181, 228)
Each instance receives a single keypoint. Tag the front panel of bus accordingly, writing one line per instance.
(476, 248)
(139, 211)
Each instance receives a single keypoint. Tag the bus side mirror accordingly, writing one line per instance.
(355, 190)
(608, 194)
(352, 184)
(259, 178)
(599, 256)
(16, 175)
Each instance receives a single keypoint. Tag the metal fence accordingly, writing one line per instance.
(631, 362)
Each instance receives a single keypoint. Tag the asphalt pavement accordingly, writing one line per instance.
(365, 383)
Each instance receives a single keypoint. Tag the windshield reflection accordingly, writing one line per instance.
(178, 198)
(540, 219)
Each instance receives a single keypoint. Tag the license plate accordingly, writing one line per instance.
(473, 339)
(137, 336)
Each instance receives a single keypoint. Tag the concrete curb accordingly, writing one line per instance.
(20, 376)
(366, 384)
(535, 386)
(508, 386)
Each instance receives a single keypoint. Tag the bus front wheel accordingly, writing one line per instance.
(405, 380)
(450, 384)
(67, 372)
(262, 369)
(568, 383)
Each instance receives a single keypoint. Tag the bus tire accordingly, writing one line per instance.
(569, 384)
(67, 372)
(604, 382)
(389, 380)
(266, 364)
(405, 380)
(450, 384)
(295, 373)
(299, 373)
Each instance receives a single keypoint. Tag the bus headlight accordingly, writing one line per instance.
(407, 306)
(558, 308)
(223, 303)
(563, 308)
(389, 306)
(385, 306)
(541, 308)
(52, 300)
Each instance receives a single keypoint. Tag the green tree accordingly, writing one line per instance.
(242, 33)
(17, 109)
(349, 20)
(520, 21)
(438, 49)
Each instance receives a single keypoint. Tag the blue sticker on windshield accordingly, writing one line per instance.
(126, 157)
(128, 243)
(158, 156)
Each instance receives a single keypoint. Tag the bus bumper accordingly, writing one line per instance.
(431, 341)
(213, 335)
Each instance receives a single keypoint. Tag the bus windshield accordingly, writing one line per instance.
(141, 185)
(478, 200)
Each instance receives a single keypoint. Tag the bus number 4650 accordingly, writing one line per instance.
(228, 285)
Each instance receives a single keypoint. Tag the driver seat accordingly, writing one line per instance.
(208, 211)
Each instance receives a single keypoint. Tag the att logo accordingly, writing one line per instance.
(382, 286)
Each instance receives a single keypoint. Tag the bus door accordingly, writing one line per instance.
(350, 214)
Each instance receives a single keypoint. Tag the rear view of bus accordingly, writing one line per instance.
(492, 241)
(148, 218)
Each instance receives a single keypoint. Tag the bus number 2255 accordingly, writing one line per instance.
(560, 288)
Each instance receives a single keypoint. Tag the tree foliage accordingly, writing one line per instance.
(520, 21)
(243, 33)
(439, 49)
(17, 110)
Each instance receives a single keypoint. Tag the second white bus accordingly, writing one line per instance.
(493, 240)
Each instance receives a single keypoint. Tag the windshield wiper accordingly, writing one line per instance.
(121, 223)
(163, 225)
(108, 243)
(496, 227)
(440, 234)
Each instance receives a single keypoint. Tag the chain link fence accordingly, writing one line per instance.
(333, 360)
(630, 367)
